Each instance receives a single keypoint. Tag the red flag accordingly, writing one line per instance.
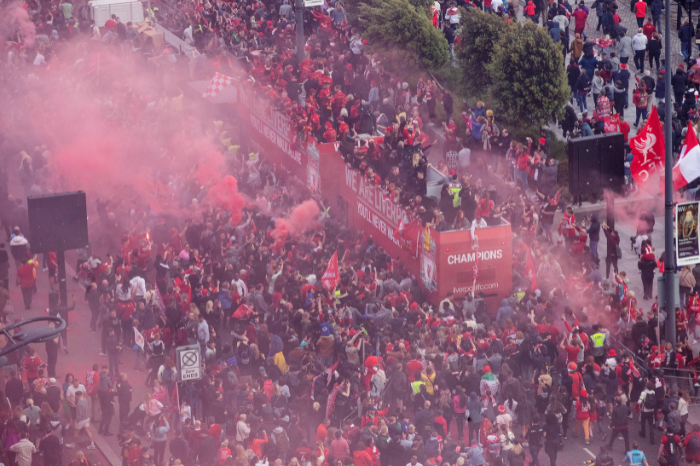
(687, 169)
(612, 123)
(648, 149)
(331, 277)
(530, 270)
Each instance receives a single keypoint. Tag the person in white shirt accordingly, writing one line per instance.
(189, 40)
(39, 60)
(138, 287)
(356, 45)
(96, 35)
(452, 14)
(240, 285)
(478, 223)
(639, 45)
(464, 157)
(563, 22)
(24, 449)
(414, 461)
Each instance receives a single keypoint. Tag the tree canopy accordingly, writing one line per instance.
(402, 34)
(528, 81)
(480, 32)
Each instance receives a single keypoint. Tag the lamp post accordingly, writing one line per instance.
(301, 42)
(669, 265)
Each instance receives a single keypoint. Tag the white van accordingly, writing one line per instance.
(126, 10)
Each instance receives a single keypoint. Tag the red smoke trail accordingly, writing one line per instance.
(226, 195)
(16, 25)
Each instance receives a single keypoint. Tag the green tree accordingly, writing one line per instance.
(528, 80)
(480, 32)
(402, 34)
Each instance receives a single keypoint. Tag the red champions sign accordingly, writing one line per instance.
(492, 254)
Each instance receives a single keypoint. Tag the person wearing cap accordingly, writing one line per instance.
(489, 382)
(611, 361)
(53, 395)
(503, 418)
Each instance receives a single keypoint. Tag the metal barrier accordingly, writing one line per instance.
(680, 379)
(175, 41)
(684, 380)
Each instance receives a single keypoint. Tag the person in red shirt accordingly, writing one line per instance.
(523, 158)
(583, 408)
(640, 11)
(692, 454)
(649, 29)
(330, 134)
(92, 381)
(669, 448)
(303, 453)
(412, 367)
(572, 348)
(26, 280)
(531, 11)
(580, 17)
(325, 24)
(322, 430)
(31, 364)
(484, 207)
(360, 456)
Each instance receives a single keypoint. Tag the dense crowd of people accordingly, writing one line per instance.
(366, 372)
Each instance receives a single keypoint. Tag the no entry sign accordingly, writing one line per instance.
(189, 363)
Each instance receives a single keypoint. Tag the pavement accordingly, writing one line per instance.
(629, 21)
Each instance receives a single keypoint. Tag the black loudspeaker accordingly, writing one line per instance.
(58, 222)
(612, 162)
(596, 163)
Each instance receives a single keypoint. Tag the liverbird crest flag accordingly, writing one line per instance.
(648, 149)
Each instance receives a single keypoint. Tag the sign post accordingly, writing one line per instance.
(687, 247)
(189, 363)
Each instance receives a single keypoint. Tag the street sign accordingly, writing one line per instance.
(312, 3)
(687, 244)
(189, 363)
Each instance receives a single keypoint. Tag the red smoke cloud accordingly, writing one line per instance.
(129, 137)
(302, 218)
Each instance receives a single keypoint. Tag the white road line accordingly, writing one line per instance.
(589, 452)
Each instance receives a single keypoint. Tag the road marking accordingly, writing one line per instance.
(589, 452)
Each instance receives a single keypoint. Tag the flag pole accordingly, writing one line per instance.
(669, 265)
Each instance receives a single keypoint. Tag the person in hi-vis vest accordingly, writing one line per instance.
(599, 342)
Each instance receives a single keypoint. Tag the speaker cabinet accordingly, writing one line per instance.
(596, 163)
(58, 222)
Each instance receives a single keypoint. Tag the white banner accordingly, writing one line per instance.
(138, 338)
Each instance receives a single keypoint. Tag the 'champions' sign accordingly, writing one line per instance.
(465, 258)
